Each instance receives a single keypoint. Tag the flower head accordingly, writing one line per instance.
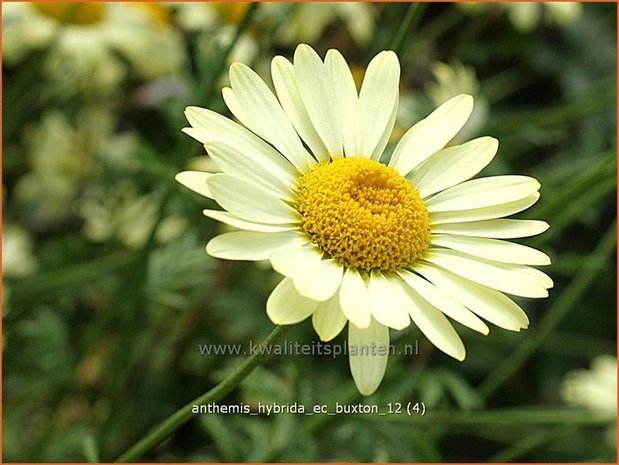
(595, 390)
(92, 46)
(361, 239)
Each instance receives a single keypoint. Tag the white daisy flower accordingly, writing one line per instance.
(91, 44)
(218, 23)
(18, 259)
(595, 390)
(363, 241)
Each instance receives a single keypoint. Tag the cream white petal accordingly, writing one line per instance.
(196, 181)
(265, 113)
(368, 354)
(453, 165)
(384, 140)
(250, 245)
(235, 108)
(489, 304)
(498, 229)
(320, 280)
(231, 161)
(328, 319)
(442, 301)
(197, 133)
(285, 306)
(377, 97)
(483, 192)
(212, 127)
(434, 325)
(386, 301)
(292, 261)
(431, 134)
(538, 276)
(347, 98)
(354, 298)
(232, 220)
(492, 249)
(250, 202)
(493, 276)
(485, 213)
(317, 92)
(285, 84)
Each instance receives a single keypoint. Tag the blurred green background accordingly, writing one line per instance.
(108, 293)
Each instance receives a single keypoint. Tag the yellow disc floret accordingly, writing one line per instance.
(364, 214)
(73, 13)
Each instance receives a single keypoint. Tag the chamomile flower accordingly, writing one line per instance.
(362, 240)
(217, 23)
(18, 259)
(595, 390)
(454, 79)
(92, 46)
(61, 155)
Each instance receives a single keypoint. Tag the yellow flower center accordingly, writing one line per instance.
(73, 13)
(364, 214)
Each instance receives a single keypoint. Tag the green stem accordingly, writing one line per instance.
(184, 414)
(220, 61)
(575, 209)
(571, 296)
(598, 97)
(27, 290)
(529, 444)
(410, 21)
(604, 166)
(208, 75)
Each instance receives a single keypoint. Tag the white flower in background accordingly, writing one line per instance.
(525, 16)
(121, 212)
(91, 43)
(455, 79)
(449, 81)
(361, 242)
(217, 23)
(17, 257)
(61, 155)
(308, 21)
(594, 389)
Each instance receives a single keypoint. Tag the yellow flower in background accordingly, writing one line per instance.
(362, 240)
(93, 46)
